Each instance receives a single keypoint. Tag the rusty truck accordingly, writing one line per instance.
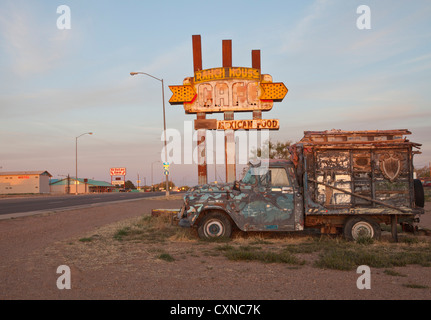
(335, 182)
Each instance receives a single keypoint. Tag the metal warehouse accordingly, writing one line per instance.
(24, 182)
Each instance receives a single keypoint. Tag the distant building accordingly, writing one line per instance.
(72, 185)
(24, 182)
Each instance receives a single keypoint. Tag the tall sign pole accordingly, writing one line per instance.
(229, 135)
(201, 144)
(255, 64)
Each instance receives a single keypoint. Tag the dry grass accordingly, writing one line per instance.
(320, 251)
(156, 238)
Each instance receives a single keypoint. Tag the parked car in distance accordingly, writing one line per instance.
(426, 183)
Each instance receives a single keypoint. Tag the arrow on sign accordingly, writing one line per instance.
(275, 91)
(182, 94)
(166, 168)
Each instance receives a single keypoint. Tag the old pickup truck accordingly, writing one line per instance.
(338, 182)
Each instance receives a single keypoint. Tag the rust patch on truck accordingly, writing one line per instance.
(358, 169)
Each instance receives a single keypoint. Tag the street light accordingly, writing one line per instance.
(76, 160)
(164, 122)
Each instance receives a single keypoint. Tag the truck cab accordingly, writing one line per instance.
(267, 198)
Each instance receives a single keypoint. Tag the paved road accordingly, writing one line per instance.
(42, 203)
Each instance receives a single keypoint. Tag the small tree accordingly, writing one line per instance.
(278, 150)
(129, 185)
(162, 185)
(423, 172)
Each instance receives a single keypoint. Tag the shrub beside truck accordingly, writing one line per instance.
(347, 182)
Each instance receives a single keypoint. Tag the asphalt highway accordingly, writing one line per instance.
(45, 203)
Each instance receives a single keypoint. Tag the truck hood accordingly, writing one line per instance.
(200, 194)
(212, 187)
(196, 198)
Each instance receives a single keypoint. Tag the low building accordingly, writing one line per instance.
(72, 185)
(19, 182)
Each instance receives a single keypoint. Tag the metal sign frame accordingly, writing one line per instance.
(226, 90)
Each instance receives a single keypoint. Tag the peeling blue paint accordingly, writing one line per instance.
(257, 205)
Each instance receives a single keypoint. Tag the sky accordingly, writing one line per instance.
(60, 83)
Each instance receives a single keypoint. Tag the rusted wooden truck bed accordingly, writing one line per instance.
(356, 172)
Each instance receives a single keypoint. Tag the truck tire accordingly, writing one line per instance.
(214, 225)
(359, 227)
(419, 193)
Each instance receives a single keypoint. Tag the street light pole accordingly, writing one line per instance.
(164, 123)
(76, 160)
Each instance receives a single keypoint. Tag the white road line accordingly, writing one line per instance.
(55, 210)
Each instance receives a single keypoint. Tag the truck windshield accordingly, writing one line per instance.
(255, 173)
(250, 176)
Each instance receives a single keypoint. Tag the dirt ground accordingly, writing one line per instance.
(33, 247)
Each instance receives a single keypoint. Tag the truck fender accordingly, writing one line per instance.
(212, 209)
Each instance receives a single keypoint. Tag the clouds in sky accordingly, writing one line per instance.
(30, 45)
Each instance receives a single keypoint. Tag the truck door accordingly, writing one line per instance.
(270, 202)
(279, 203)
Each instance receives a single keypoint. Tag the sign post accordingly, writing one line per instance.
(229, 134)
(202, 159)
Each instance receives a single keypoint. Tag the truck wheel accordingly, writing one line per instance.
(358, 227)
(419, 193)
(215, 225)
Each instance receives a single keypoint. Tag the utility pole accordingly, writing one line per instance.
(68, 182)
